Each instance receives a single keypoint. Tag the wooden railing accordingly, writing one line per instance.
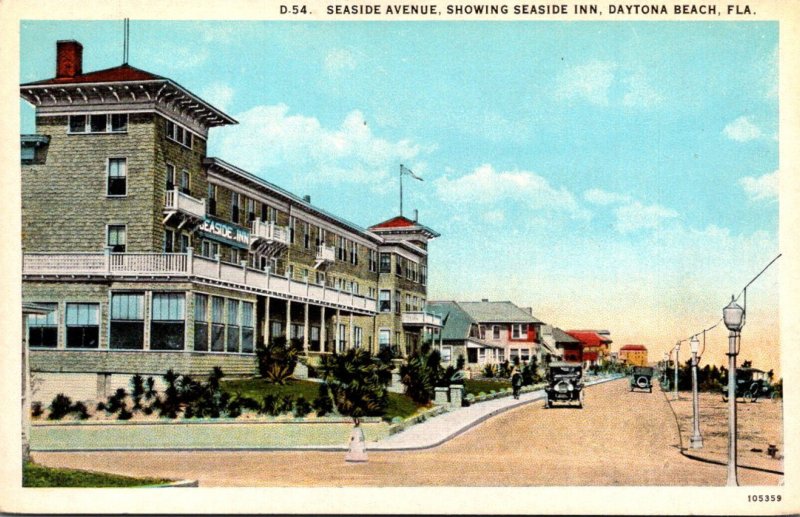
(326, 253)
(178, 201)
(269, 231)
(421, 318)
(189, 265)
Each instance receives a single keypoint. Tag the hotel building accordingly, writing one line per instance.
(150, 255)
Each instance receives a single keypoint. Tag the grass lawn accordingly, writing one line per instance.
(475, 386)
(39, 476)
(256, 389)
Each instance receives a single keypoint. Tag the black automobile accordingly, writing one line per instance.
(751, 385)
(642, 378)
(564, 383)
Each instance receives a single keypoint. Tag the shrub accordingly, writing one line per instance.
(323, 404)
(271, 405)
(248, 403)
(124, 414)
(81, 410)
(116, 402)
(60, 407)
(150, 392)
(460, 362)
(137, 391)
(36, 409)
(170, 405)
(276, 362)
(490, 370)
(358, 383)
(286, 404)
(301, 407)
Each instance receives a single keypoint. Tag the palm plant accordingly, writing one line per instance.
(357, 383)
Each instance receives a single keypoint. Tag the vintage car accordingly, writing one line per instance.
(751, 384)
(641, 378)
(564, 383)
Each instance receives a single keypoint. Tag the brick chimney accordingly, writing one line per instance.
(69, 59)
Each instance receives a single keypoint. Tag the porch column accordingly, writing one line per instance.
(305, 328)
(288, 321)
(266, 323)
(322, 330)
(336, 331)
(352, 341)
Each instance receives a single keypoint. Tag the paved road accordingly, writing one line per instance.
(619, 438)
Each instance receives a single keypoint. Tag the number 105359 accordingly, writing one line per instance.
(769, 498)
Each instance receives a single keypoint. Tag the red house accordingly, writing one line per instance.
(595, 344)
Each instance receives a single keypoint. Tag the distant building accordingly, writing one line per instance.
(460, 336)
(513, 329)
(634, 355)
(595, 345)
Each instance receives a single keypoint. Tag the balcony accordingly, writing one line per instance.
(421, 319)
(186, 266)
(326, 255)
(184, 207)
(268, 239)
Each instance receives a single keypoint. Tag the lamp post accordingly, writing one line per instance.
(677, 362)
(696, 440)
(666, 365)
(733, 316)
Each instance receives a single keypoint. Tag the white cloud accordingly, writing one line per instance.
(339, 61)
(601, 197)
(591, 82)
(218, 94)
(486, 186)
(269, 137)
(636, 216)
(640, 94)
(762, 188)
(742, 130)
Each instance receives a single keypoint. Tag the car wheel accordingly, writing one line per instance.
(748, 397)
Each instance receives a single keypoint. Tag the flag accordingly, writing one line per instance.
(406, 170)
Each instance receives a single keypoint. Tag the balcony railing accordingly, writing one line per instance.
(169, 265)
(178, 202)
(421, 319)
(326, 253)
(268, 238)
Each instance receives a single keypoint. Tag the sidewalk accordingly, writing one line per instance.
(440, 429)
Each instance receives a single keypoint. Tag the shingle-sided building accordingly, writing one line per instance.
(150, 255)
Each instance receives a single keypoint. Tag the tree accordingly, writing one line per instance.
(421, 374)
(358, 383)
(276, 362)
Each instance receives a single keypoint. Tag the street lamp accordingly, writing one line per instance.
(733, 315)
(677, 362)
(666, 365)
(696, 440)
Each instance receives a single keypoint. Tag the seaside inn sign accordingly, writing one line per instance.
(221, 231)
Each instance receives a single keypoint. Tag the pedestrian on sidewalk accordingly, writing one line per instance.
(516, 381)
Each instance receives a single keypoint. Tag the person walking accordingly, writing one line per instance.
(516, 381)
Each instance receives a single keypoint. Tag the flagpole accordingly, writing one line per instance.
(401, 190)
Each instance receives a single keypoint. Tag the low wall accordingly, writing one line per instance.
(322, 433)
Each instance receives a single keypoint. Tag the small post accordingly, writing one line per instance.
(189, 260)
(218, 258)
(107, 257)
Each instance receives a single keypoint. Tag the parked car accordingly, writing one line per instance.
(564, 383)
(641, 378)
(751, 384)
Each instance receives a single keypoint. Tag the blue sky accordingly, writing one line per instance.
(610, 175)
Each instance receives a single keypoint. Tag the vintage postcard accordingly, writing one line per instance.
(400, 257)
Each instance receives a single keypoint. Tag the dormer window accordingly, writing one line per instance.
(98, 123)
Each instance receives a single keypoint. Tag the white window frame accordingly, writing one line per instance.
(108, 175)
(446, 353)
(495, 332)
(108, 235)
(87, 125)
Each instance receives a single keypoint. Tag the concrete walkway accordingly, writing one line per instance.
(440, 429)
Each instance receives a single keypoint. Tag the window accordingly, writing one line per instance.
(116, 238)
(320, 236)
(501, 355)
(398, 266)
(519, 331)
(233, 326)
(119, 122)
(127, 321)
(277, 329)
(495, 332)
(358, 336)
(201, 322)
(341, 250)
(314, 341)
(117, 177)
(183, 243)
(178, 134)
(306, 235)
(373, 260)
(386, 263)
(217, 324)
(43, 328)
(234, 255)
(320, 278)
(447, 353)
(83, 330)
(170, 177)
(384, 338)
(247, 328)
(342, 334)
(423, 274)
(385, 301)
(397, 301)
(98, 123)
(251, 209)
(305, 274)
(525, 354)
(235, 207)
(514, 354)
(169, 241)
(185, 182)
(212, 199)
(408, 302)
(482, 332)
(292, 224)
(167, 321)
(354, 254)
(290, 272)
